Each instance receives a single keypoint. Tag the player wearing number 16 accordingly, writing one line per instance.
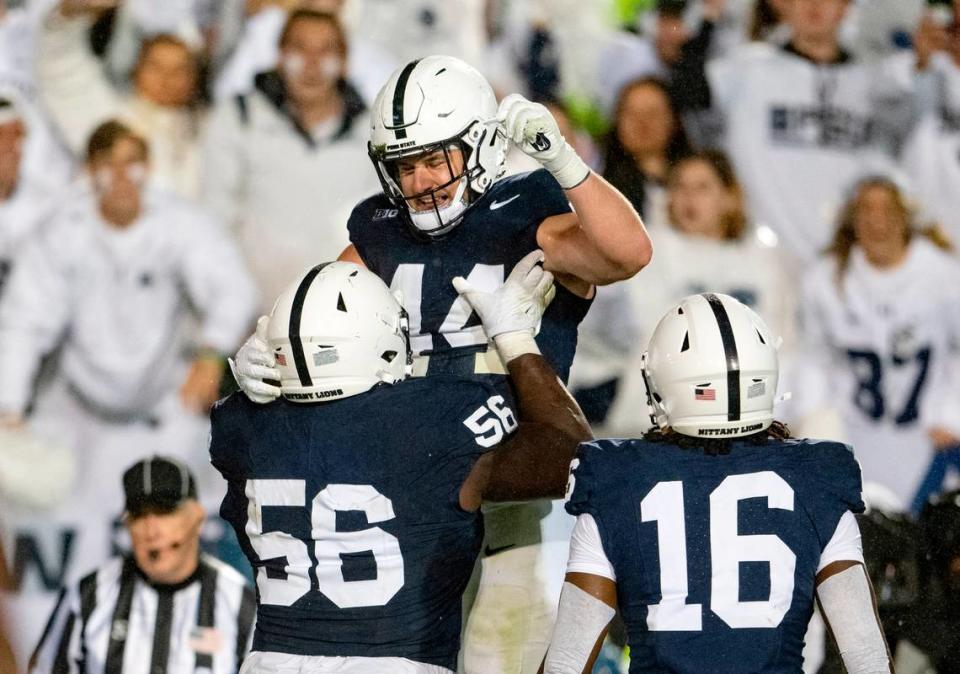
(355, 496)
(713, 533)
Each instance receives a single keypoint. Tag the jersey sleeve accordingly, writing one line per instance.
(835, 485)
(225, 442)
(582, 483)
(548, 198)
(476, 418)
(365, 227)
(844, 545)
(586, 550)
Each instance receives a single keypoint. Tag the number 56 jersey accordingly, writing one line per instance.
(715, 557)
(349, 513)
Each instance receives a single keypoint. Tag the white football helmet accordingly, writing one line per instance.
(711, 369)
(433, 104)
(336, 332)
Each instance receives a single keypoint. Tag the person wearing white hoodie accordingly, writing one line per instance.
(113, 283)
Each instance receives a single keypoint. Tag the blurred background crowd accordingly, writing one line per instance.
(800, 155)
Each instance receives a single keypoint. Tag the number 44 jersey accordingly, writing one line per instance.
(715, 556)
(493, 237)
(349, 514)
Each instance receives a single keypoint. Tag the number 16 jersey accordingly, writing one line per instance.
(715, 557)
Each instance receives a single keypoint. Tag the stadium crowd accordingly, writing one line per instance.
(168, 168)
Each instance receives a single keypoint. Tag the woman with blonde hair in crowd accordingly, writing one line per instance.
(708, 246)
(880, 325)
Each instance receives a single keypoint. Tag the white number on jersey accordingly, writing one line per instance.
(329, 544)
(408, 279)
(490, 430)
(664, 505)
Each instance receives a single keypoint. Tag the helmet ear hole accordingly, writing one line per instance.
(388, 356)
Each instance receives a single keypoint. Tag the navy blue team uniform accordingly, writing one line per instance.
(406, 443)
(497, 232)
(614, 476)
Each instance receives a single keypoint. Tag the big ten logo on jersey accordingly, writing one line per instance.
(354, 564)
(425, 295)
(492, 422)
(819, 126)
(664, 505)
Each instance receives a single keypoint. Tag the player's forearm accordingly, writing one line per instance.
(543, 399)
(612, 227)
(535, 462)
(849, 609)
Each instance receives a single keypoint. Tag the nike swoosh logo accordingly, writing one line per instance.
(489, 552)
(500, 204)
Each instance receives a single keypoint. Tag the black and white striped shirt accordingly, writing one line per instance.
(115, 621)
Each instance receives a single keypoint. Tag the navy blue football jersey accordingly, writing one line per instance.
(715, 556)
(349, 513)
(493, 237)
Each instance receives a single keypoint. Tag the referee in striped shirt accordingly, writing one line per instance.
(164, 609)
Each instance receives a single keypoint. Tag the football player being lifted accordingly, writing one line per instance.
(356, 495)
(438, 141)
(714, 532)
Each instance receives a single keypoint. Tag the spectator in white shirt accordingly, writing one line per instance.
(116, 282)
(285, 164)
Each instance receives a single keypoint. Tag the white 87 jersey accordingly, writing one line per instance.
(888, 338)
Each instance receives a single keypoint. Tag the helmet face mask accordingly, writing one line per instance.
(711, 369)
(441, 206)
(439, 106)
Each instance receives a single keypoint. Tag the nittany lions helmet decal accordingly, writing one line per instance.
(711, 369)
(336, 332)
(437, 104)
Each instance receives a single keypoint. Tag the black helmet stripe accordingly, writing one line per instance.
(398, 95)
(296, 311)
(730, 351)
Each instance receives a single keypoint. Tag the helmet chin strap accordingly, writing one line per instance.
(434, 219)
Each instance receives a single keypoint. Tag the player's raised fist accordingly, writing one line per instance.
(533, 129)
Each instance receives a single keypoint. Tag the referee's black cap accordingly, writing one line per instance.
(157, 485)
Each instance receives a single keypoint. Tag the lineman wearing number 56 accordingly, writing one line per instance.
(714, 532)
(355, 497)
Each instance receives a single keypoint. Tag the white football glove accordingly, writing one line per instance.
(511, 314)
(256, 362)
(533, 129)
(34, 472)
